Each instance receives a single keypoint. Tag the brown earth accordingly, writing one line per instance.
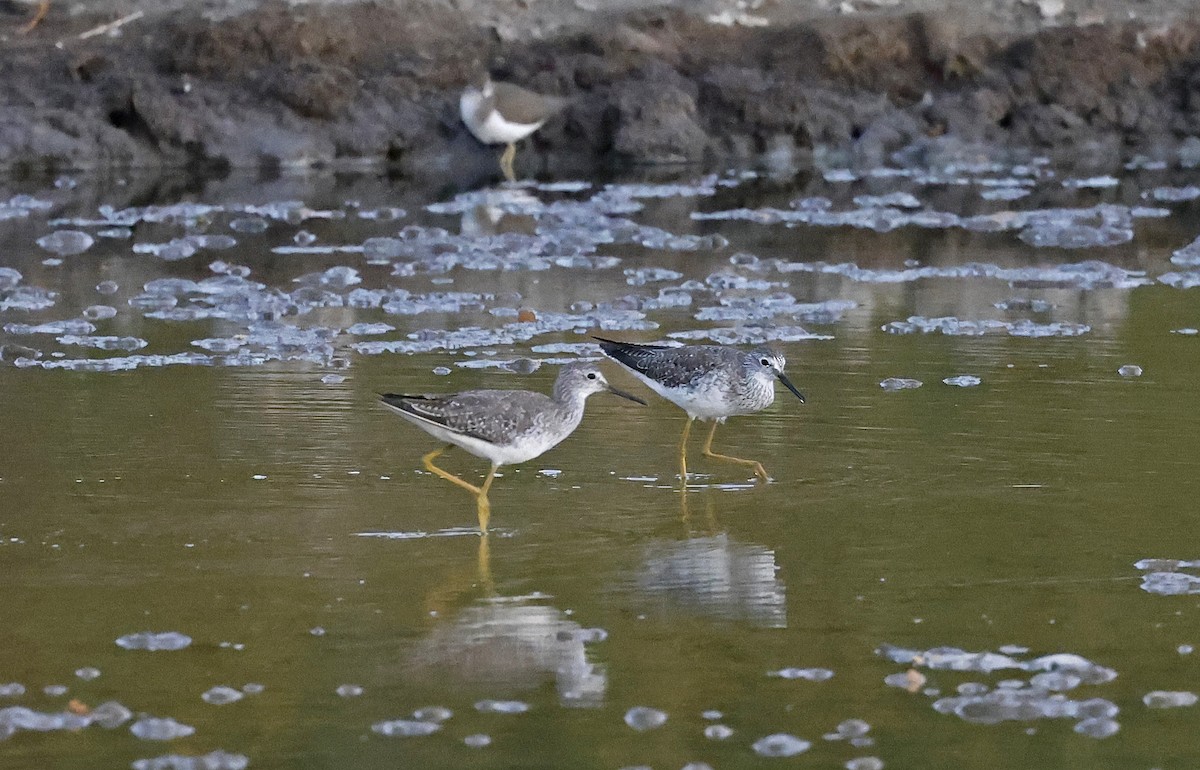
(348, 85)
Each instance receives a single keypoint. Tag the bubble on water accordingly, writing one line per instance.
(248, 225)
(66, 242)
(87, 673)
(780, 745)
(220, 345)
(253, 688)
(215, 760)
(718, 732)
(317, 631)
(865, 763)
(840, 175)
(642, 718)
(502, 706)
(1166, 564)
(110, 715)
(99, 312)
(893, 384)
(765, 308)
(9, 278)
(385, 214)
(1185, 649)
(1004, 193)
(1097, 728)
(55, 690)
(71, 326)
(697, 766)
(1189, 255)
(810, 674)
(955, 659)
(1170, 583)
(1181, 280)
(640, 276)
(115, 233)
(28, 298)
(172, 251)
(221, 695)
(333, 379)
(1055, 681)
(304, 238)
(963, 381)
(1187, 331)
(12, 690)
(349, 690)
(128, 344)
(712, 714)
(478, 740)
(853, 728)
(160, 729)
(952, 326)
(149, 640)
(1024, 304)
(441, 371)
(18, 718)
(1164, 699)
(1130, 370)
(406, 728)
(1173, 194)
(900, 200)
(364, 329)
(1095, 182)
(433, 714)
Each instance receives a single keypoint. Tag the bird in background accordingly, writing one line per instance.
(709, 382)
(496, 112)
(504, 427)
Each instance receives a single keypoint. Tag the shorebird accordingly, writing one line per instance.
(496, 112)
(504, 427)
(709, 382)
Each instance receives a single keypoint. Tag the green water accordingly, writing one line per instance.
(1006, 514)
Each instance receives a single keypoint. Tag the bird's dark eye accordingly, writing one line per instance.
(765, 362)
(591, 375)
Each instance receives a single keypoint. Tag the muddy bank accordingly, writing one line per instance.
(371, 84)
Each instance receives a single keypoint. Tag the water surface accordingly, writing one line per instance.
(255, 498)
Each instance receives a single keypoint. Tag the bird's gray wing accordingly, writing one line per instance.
(494, 416)
(673, 367)
(521, 105)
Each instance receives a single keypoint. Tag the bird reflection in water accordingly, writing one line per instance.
(713, 575)
(512, 644)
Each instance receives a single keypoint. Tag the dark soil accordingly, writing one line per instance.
(352, 85)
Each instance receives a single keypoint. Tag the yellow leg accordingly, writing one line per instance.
(482, 506)
(42, 9)
(484, 565)
(687, 428)
(755, 464)
(429, 466)
(506, 162)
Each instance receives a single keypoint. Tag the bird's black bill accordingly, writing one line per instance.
(788, 384)
(630, 396)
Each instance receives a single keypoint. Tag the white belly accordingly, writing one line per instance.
(493, 129)
(527, 448)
